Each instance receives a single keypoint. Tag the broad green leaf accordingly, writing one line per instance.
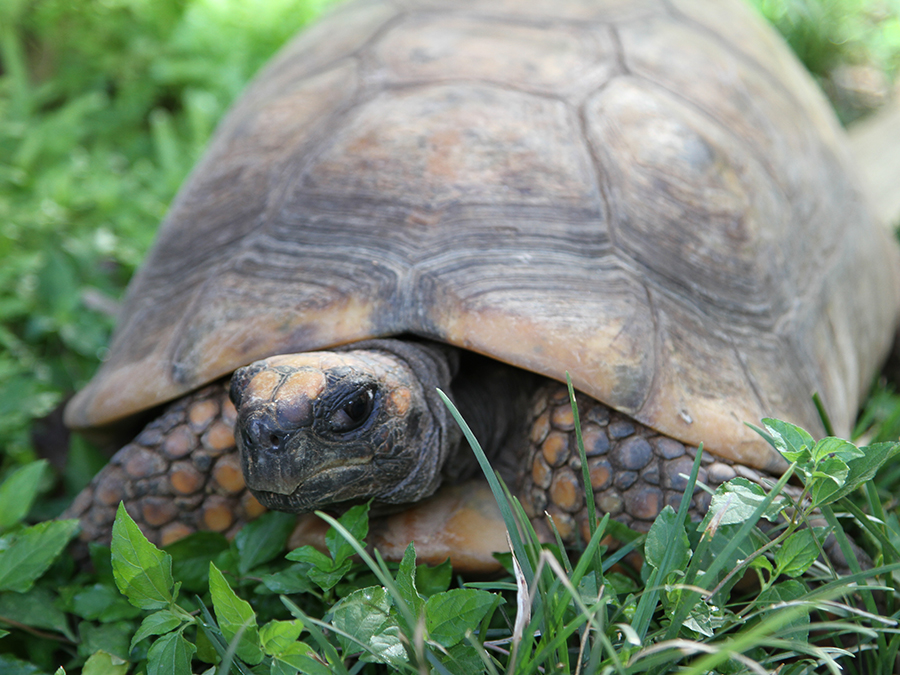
(276, 637)
(786, 591)
(791, 441)
(293, 579)
(700, 619)
(797, 554)
(112, 638)
(667, 537)
(735, 501)
(300, 657)
(101, 663)
(10, 665)
(261, 540)
(406, 581)
(191, 557)
(142, 572)
(832, 469)
(18, 491)
(158, 623)
(37, 608)
(356, 521)
(463, 659)
(449, 615)
(237, 620)
(863, 468)
(431, 580)
(838, 447)
(104, 603)
(311, 556)
(25, 555)
(170, 655)
(321, 569)
(827, 481)
(365, 615)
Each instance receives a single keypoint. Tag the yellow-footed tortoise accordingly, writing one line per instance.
(481, 196)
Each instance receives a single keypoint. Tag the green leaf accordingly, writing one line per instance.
(142, 572)
(463, 659)
(862, 469)
(431, 580)
(406, 581)
(786, 591)
(237, 619)
(37, 608)
(300, 657)
(827, 480)
(321, 569)
(10, 665)
(25, 555)
(191, 557)
(797, 554)
(158, 623)
(293, 579)
(735, 501)
(111, 638)
(667, 536)
(101, 663)
(449, 615)
(837, 447)
(18, 491)
(790, 440)
(365, 616)
(170, 655)
(104, 603)
(263, 539)
(356, 521)
(277, 637)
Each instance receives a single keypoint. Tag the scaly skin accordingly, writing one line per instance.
(182, 473)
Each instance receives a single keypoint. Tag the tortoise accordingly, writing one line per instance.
(650, 195)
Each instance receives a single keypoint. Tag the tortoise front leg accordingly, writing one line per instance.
(181, 474)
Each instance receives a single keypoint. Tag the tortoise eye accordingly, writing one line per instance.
(354, 413)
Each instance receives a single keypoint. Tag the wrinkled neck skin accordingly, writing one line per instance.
(328, 429)
(492, 397)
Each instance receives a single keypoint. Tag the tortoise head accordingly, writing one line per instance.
(324, 428)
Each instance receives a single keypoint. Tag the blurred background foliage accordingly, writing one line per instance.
(106, 104)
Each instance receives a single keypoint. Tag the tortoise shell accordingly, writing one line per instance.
(651, 195)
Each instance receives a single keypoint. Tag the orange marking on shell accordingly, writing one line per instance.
(400, 400)
(263, 385)
(309, 383)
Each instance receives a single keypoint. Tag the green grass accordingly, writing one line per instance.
(104, 107)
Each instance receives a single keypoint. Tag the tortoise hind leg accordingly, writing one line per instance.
(635, 471)
(181, 474)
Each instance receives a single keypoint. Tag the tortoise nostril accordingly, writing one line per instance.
(261, 435)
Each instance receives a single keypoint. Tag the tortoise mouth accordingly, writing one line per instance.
(341, 486)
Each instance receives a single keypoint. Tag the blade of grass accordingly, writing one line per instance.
(494, 482)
